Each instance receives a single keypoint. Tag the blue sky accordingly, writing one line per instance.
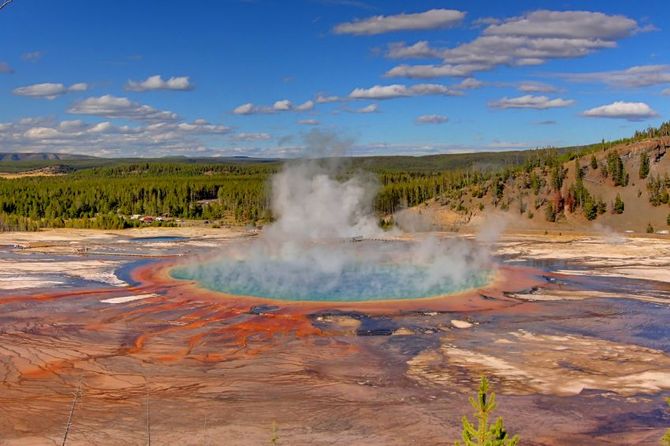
(207, 78)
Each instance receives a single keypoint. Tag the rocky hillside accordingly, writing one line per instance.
(624, 187)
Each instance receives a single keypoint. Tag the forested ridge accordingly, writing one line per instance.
(107, 194)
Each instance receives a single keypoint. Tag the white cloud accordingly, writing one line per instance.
(632, 111)
(5, 68)
(305, 106)
(32, 56)
(666, 92)
(469, 84)
(633, 77)
(252, 136)
(431, 119)
(531, 39)
(109, 106)
(244, 109)
(323, 99)
(431, 71)
(308, 122)
(566, 24)
(418, 50)
(536, 87)
(105, 138)
(283, 105)
(181, 83)
(530, 101)
(372, 108)
(398, 91)
(432, 19)
(48, 90)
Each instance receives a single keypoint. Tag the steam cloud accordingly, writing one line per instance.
(308, 252)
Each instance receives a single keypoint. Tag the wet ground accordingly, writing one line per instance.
(577, 351)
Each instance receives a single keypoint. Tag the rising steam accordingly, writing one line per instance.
(310, 253)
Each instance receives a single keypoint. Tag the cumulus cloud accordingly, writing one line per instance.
(536, 87)
(432, 19)
(431, 119)
(32, 56)
(109, 106)
(283, 105)
(106, 138)
(252, 136)
(305, 106)
(372, 108)
(399, 91)
(48, 90)
(632, 111)
(152, 83)
(418, 50)
(633, 77)
(324, 99)
(5, 68)
(566, 24)
(469, 84)
(431, 70)
(531, 39)
(244, 109)
(530, 101)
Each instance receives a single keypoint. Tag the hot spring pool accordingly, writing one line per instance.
(354, 282)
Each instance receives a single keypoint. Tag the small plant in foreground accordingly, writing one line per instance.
(665, 441)
(484, 434)
(274, 440)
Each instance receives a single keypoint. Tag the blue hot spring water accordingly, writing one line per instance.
(354, 282)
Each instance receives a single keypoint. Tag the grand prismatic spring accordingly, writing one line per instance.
(319, 327)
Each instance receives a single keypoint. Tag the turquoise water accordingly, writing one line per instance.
(354, 282)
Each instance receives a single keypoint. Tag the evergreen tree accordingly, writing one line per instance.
(484, 434)
(644, 165)
(590, 208)
(665, 441)
(618, 207)
(616, 169)
(550, 213)
(578, 170)
(557, 176)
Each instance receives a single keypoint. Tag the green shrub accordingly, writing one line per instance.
(485, 434)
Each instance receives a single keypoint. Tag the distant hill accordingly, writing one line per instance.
(425, 164)
(605, 187)
(36, 156)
